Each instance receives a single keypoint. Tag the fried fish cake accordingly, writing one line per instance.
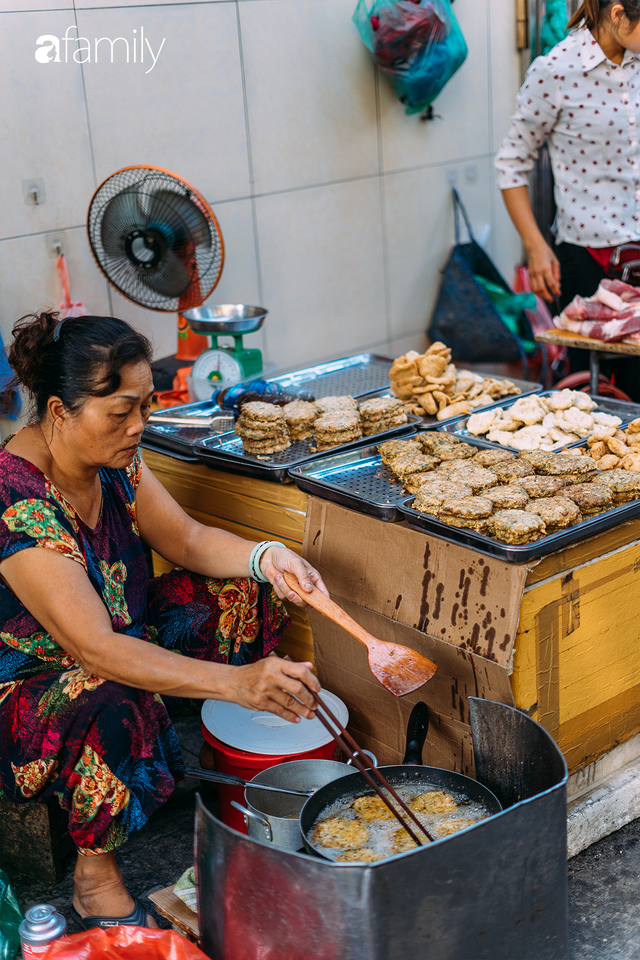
(536, 487)
(341, 833)
(396, 448)
(359, 856)
(447, 827)
(561, 465)
(535, 457)
(331, 404)
(432, 802)
(455, 451)
(478, 478)
(408, 463)
(509, 497)
(299, 414)
(517, 526)
(466, 508)
(590, 498)
(258, 410)
(507, 472)
(414, 481)
(371, 808)
(402, 841)
(488, 458)
(381, 408)
(371, 427)
(430, 496)
(432, 441)
(556, 512)
(624, 484)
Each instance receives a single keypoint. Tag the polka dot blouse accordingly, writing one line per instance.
(588, 109)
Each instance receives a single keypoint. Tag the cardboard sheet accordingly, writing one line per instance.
(448, 602)
(378, 720)
(439, 588)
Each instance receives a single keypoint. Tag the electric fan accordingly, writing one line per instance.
(157, 241)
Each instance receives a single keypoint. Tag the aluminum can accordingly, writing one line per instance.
(41, 926)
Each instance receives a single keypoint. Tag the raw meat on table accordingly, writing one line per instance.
(612, 314)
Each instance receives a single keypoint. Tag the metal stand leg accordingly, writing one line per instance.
(594, 370)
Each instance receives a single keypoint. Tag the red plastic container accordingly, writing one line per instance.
(247, 765)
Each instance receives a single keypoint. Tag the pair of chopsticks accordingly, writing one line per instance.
(349, 746)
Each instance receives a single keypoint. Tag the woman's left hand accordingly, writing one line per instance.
(276, 560)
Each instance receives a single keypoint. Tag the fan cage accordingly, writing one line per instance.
(142, 185)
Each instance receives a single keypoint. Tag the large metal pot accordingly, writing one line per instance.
(274, 817)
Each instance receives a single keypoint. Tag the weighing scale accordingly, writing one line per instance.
(225, 366)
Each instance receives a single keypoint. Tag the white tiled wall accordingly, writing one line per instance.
(335, 207)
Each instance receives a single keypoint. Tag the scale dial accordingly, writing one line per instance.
(217, 366)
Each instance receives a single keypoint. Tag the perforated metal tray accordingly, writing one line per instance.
(523, 552)
(180, 438)
(358, 375)
(357, 479)
(226, 453)
(617, 408)
(166, 452)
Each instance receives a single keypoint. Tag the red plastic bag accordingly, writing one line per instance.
(124, 943)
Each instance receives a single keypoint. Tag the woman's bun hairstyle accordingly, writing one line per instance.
(593, 12)
(75, 359)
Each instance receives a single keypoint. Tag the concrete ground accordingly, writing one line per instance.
(604, 881)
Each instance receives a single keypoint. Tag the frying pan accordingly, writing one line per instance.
(408, 773)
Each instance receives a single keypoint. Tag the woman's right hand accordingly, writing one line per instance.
(277, 685)
(544, 271)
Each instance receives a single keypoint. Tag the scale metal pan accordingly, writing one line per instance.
(225, 318)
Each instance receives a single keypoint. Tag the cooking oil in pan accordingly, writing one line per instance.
(446, 814)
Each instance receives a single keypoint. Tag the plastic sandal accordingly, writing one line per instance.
(137, 918)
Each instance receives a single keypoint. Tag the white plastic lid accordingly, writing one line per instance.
(263, 732)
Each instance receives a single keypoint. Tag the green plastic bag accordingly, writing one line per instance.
(10, 919)
(417, 44)
(510, 307)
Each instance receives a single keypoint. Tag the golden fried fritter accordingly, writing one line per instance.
(447, 827)
(434, 801)
(402, 841)
(371, 808)
(359, 856)
(517, 526)
(341, 833)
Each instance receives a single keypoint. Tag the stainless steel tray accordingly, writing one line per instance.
(357, 375)
(357, 479)
(166, 452)
(432, 423)
(164, 433)
(523, 552)
(617, 408)
(226, 453)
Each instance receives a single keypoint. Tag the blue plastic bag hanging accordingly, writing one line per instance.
(417, 44)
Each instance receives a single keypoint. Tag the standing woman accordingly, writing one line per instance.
(583, 99)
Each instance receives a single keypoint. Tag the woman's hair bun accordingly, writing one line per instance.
(84, 361)
(30, 334)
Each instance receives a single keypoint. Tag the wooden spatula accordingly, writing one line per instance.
(399, 669)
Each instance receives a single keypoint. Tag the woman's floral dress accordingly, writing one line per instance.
(108, 752)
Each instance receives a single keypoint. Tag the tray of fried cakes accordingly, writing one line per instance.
(269, 440)
(548, 421)
(361, 478)
(518, 506)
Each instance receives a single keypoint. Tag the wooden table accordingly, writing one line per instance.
(597, 349)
